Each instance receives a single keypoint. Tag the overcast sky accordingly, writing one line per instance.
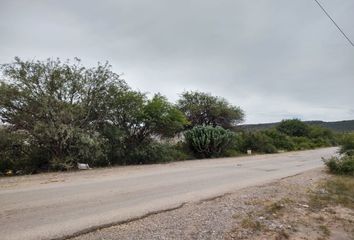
(274, 58)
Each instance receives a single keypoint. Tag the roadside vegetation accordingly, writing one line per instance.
(56, 114)
(343, 164)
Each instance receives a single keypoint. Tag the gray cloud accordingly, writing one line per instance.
(276, 59)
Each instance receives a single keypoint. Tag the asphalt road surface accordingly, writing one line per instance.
(58, 205)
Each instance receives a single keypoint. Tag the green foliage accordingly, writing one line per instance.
(204, 109)
(77, 114)
(320, 132)
(258, 142)
(16, 152)
(284, 137)
(303, 143)
(280, 140)
(134, 120)
(322, 137)
(337, 127)
(81, 146)
(293, 127)
(60, 113)
(208, 141)
(155, 153)
(343, 165)
(347, 144)
(60, 105)
(162, 118)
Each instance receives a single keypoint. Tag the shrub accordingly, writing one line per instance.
(208, 141)
(155, 153)
(322, 137)
(294, 127)
(341, 165)
(302, 143)
(185, 150)
(82, 146)
(258, 142)
(347, 145)
(17, 154)
(280, 140)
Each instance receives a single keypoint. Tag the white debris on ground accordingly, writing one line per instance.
(83, 166)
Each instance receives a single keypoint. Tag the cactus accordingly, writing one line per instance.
(208, 141)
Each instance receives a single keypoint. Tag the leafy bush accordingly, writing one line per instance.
(81, 146)
(302, 143)
(17, 154)
(347, 145)
(280, 140)
(155, 153)
(208, 141)
(258, 142)
(289, 135)
(294, 127)
(238, 144)
(341, 165)
(322, 137)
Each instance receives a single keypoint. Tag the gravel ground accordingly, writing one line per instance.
(279, 210)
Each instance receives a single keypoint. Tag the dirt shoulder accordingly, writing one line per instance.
(305, 206)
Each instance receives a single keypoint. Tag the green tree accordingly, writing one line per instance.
(60, 104)
(204, 109)
(134, 120)
(322, 136)
(280, 140)
(293, 127)
(258, 142)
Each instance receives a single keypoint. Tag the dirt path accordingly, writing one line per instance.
(279, 210)
(58, 205)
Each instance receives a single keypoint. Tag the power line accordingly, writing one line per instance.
(324, 10)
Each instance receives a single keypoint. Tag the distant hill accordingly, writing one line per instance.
(339, 126)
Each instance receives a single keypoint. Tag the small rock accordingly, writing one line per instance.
(323, 191)
(272, 226)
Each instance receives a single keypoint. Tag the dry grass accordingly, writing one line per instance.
(276, 207)
(323, 211)
(338, 190)
(252, 224)
(325, 230)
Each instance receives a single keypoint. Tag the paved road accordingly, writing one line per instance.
(52, 206)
